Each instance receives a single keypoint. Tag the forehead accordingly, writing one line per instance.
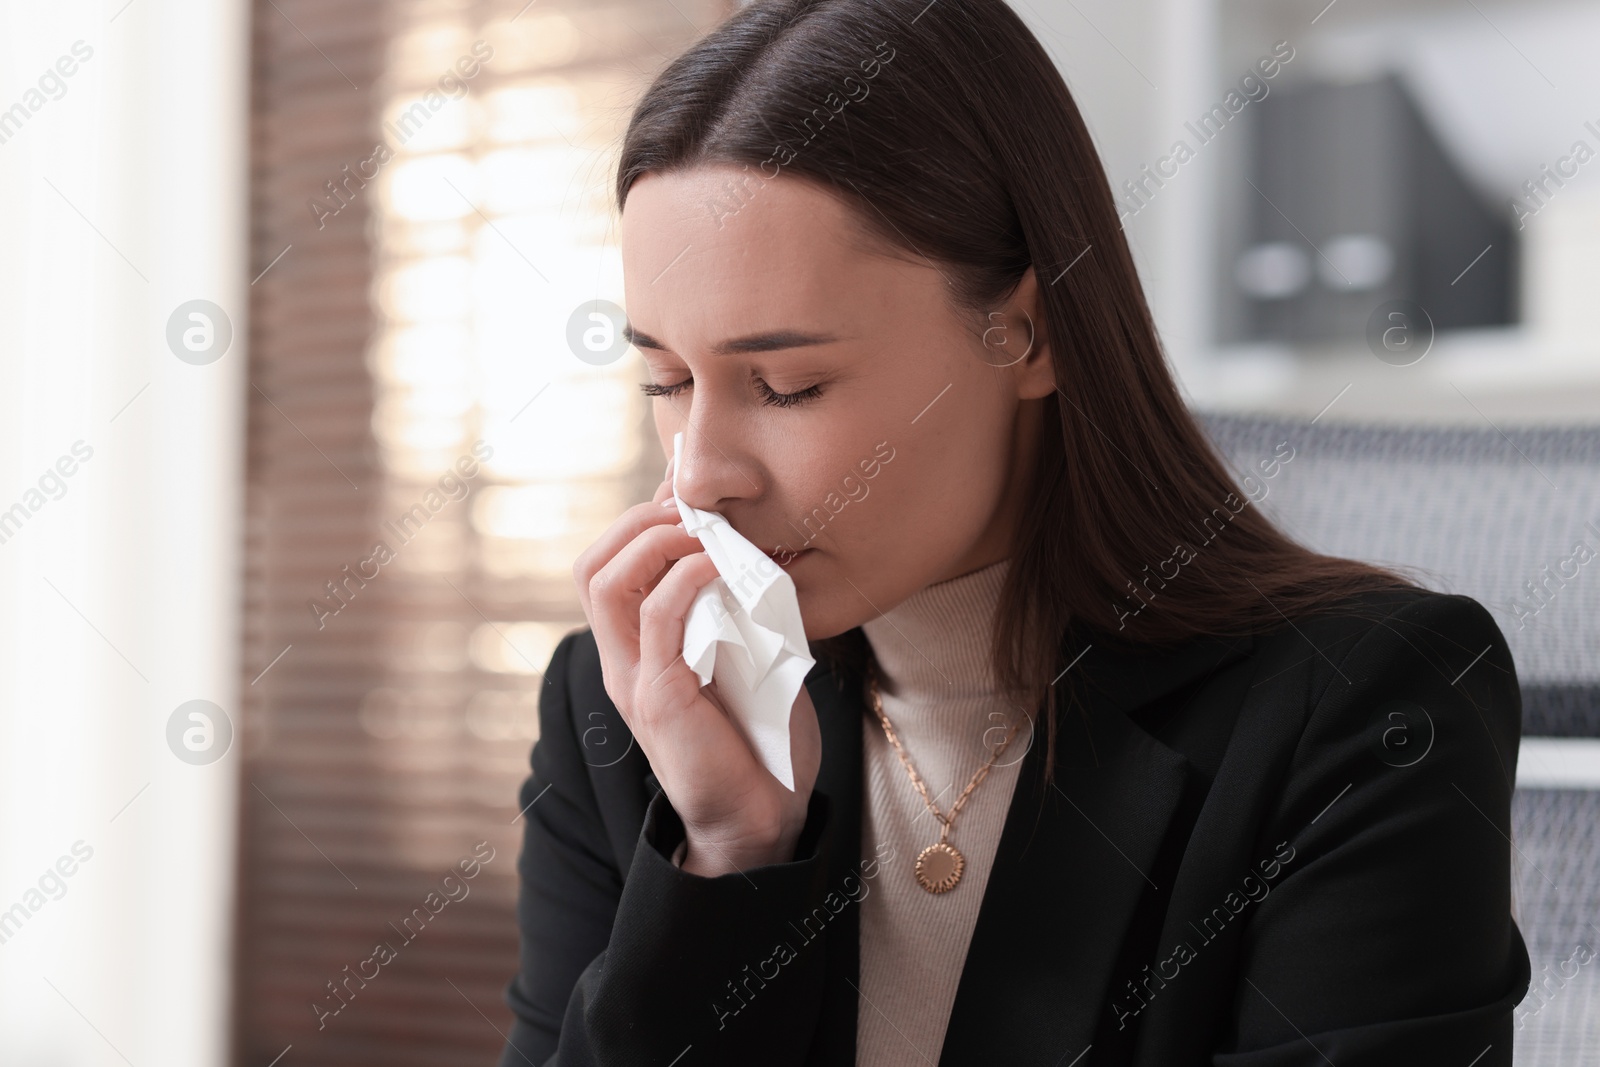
(724, 243)
(733, 205)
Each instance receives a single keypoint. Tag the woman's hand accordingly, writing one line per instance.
(636, 583)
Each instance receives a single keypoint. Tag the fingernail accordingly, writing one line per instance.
(670, 502)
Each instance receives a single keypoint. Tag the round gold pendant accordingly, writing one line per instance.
(939, 867)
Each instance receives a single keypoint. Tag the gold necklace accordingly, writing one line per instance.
(939, 866)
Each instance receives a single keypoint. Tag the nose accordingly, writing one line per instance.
(711, 473)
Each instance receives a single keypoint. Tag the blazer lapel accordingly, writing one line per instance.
(1071, 864)
(1074, 858)
(840, 707)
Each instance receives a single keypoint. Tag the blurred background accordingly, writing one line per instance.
(297, 448)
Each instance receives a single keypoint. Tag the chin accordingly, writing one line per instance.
(815, 616)
(825, 617)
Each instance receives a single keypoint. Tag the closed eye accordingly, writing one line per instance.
(768, 395)
(652, 389)
(786, 400)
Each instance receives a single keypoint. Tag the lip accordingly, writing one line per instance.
(789, 559)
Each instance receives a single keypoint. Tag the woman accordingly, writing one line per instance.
(1095, 765)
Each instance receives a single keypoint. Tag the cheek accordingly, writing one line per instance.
(949, 476)
(923, 508)
(874, 505)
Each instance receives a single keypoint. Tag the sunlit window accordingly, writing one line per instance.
(491, 223)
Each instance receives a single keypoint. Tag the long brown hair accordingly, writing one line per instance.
(948, 130)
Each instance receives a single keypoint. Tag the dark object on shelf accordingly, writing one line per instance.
(1357, 204)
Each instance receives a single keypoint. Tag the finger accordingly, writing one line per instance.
(663, 491)
(629, 525)
(662, 617)
(618, 590)
(650, 587)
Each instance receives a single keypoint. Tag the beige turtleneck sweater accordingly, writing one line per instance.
(933, 649)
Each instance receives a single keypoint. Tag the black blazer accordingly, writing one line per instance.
(1285, 850)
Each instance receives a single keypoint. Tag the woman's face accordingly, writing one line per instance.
(832, 403)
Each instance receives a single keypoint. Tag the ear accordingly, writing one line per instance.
(1034, 372)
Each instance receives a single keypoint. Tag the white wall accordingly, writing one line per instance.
(1508, 87)
(1137, 70)
(119, 200)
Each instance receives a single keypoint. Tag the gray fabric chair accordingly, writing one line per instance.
(1510, 517)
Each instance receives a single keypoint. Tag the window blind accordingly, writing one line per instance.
(430, 204)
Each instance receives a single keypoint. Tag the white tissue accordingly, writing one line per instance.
(744, 632)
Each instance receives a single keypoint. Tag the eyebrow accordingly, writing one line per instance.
(771, 341)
